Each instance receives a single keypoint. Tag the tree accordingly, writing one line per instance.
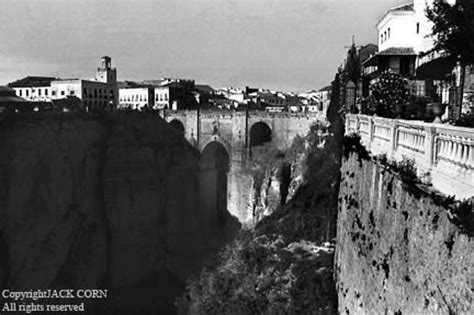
(332, 113)
(352, 66)
(453, 29)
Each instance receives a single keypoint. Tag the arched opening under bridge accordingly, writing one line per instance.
(260, 135)
(214, 166)
(177, 125)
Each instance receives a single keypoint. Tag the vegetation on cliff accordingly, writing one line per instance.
(285, 264)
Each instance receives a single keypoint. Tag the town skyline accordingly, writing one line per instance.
(279, 45)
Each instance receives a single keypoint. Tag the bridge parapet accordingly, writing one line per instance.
(446, 152)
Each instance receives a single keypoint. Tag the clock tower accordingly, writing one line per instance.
(105, 73)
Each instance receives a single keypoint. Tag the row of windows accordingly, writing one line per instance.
(134, 98)
(160, 97)
(97, 92)
(27, 92)
(95, 104)
(386, 35)
(272, 101)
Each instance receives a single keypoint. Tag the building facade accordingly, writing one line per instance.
(406, 44)
(169, 96)
(98, 94)
(136, 98)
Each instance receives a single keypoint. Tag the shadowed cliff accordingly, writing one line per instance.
(109, 202)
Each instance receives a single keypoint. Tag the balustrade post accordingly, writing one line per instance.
(371, 132)
(348, 123)
(430, 147)
(393, 138)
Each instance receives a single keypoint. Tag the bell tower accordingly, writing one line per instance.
(105, 73)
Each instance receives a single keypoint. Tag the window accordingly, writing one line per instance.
(27, 92)
(418, 28)
(71, 92)
(53, 93)
(63, 92)
(39, 92)
(84, 92)
(19, 92)
(46, 92)
(381, 38)
(389, 32)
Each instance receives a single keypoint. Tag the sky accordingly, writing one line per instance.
(288, 45)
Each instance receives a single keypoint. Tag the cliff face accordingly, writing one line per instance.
(111, 203)
(397, 250)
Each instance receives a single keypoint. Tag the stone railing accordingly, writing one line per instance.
(443, 152)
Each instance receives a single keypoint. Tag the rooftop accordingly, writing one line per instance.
(397, 51)
(32, 81)
(407, 7)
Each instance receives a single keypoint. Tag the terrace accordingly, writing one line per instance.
(442, 152)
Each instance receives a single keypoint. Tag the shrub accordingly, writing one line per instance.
(389, 90)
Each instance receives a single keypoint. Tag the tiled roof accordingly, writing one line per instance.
(404, 7)
(32, 82)
(407, 7)
(397, 51)
(204, 88)
(326, 88)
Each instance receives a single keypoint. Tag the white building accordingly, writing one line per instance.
(405, 44)
(101, 93)
(169, 96)
(136, 97)
(33, 89)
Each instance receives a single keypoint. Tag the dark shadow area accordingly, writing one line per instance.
(260, 134)
(177, 125)
(109, 201)
(213, 168)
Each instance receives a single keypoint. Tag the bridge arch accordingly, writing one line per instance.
(260, 133)
(177, 125)
(214, 166)
(215, 138)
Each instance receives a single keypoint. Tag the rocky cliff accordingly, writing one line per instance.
(108, 202)
(399, 250)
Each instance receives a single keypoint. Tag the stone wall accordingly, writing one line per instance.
(110, 202)
(397, 250)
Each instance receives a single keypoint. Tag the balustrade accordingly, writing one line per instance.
(447, 152)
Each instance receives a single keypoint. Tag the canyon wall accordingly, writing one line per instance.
(398, 250)
(108, 202)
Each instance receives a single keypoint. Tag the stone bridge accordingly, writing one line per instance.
(227, 137)
(239, 131)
